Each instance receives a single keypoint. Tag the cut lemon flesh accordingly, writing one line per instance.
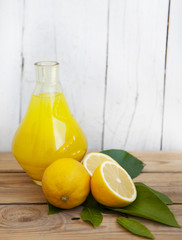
(92, 160)
(112, 186)
(118, 180)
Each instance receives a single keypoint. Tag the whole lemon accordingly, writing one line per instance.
(66, 183)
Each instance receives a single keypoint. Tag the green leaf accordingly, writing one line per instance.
(135, 227)
(148, 205)
(91, 212)
(52, 209)
(130, 163)
(162, 196)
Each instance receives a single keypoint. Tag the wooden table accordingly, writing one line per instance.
(23, 208)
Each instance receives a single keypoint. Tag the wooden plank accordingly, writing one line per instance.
(38, 43)
(162, 161)
(19, 222)
(74, 34)
(167, 183)
(8, 163)
(134, 100)
(173, 97)
(11, 23)
(18, 187)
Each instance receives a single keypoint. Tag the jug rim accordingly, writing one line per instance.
(46, 63)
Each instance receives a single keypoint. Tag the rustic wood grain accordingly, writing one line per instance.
(167, 183)
(23, 208)
(8, 163)
(135, 76)
(160, 161)
(156, 161)
(32, 222)
(172, 126)
(11, 25)
(18, 187)
(112, 59)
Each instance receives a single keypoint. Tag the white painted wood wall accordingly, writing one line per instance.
(120, 67)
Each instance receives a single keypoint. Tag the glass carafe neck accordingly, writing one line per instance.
(47, 77)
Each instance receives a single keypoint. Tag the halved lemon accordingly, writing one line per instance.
(112, 186)
(92, 160)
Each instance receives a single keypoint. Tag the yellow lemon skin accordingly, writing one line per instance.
(66, 183)
(103, 194)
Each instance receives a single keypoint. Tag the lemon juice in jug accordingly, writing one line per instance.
(48, 131)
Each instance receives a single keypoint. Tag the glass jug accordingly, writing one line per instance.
(48, 131)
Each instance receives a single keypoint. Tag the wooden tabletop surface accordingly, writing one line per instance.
(23, 208)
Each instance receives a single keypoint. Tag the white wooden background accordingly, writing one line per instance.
(120, 67)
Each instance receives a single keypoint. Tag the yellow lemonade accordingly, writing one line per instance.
(48, 132)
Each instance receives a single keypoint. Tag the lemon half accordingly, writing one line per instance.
(112, 186)
(92, 160)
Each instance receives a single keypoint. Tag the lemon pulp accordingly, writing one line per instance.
(92, 160)
(118, 181)
(112, 186)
